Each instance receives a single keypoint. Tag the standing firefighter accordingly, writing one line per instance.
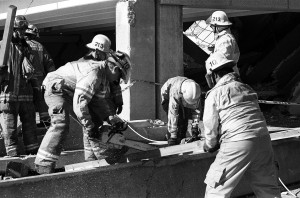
(85, 83)
(234, 123)
(180, 99)
(225, 42)
(43, 64)
(16, 97)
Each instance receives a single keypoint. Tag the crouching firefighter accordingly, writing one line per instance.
(181, 100)
(85, 83)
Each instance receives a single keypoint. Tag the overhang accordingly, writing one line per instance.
(78, 15)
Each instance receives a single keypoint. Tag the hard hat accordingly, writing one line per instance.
(100, 42)
(122, 60)
(219, 18)
(217, 61)
(32, 29)
(190, 92)
(20, 22)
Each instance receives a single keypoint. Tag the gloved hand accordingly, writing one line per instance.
(206, 148)
(119, 109)
(94, 133)
(173, 141)
(195, 131)
(3, 69)
(112, 120)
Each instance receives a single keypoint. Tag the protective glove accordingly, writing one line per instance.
(94, 133)
(206, 148)
(119, 109)
(112, 120)
(173, 141)
(3, 69)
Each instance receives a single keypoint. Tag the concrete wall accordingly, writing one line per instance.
(177, 176)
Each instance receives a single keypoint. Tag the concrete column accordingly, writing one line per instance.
(135, 35)
(169, 47)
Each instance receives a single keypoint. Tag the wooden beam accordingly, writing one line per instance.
(285, 134)
(269, 5)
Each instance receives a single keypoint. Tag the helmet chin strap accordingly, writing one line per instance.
(211, 80)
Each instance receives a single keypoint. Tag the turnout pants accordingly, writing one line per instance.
(94, 149)
(51, 146)
(10, 113)
(252, 158)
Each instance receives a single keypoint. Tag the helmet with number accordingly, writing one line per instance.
(100, 42)
(20, 22)
(219, 18)
(32, 29)
(191, 92)
(218, 61)
(122, 60)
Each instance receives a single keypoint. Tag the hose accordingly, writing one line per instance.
(287, 188)
(152, 141)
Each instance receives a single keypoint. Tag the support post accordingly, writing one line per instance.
(169, 47)
(135, 35)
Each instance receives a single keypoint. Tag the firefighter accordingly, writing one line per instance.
(43, 64)
(112, 98)
(181, 100)
(85, 83)
(224, 40)
(16, 98)
(234, 124)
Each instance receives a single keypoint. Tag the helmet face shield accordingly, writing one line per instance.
(124, 64)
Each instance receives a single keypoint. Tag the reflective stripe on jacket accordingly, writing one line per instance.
(83, 80)
(16, 87)
(232, 113)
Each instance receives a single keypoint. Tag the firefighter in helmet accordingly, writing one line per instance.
(43, 64)
(82, 87)
(16, 98)
(225, 42)
(181, 100)
(234, 124)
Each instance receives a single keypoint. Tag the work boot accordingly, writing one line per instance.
(44, 169)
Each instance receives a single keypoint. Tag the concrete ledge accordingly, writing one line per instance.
(175, 176)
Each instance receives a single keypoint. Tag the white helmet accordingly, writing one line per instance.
(217, 61)
(219, 18)
(122, 60)
(191, 92)
(100, 42)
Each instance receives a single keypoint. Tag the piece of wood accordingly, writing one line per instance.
(291, 133)
(7, 34)
(192, 147)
